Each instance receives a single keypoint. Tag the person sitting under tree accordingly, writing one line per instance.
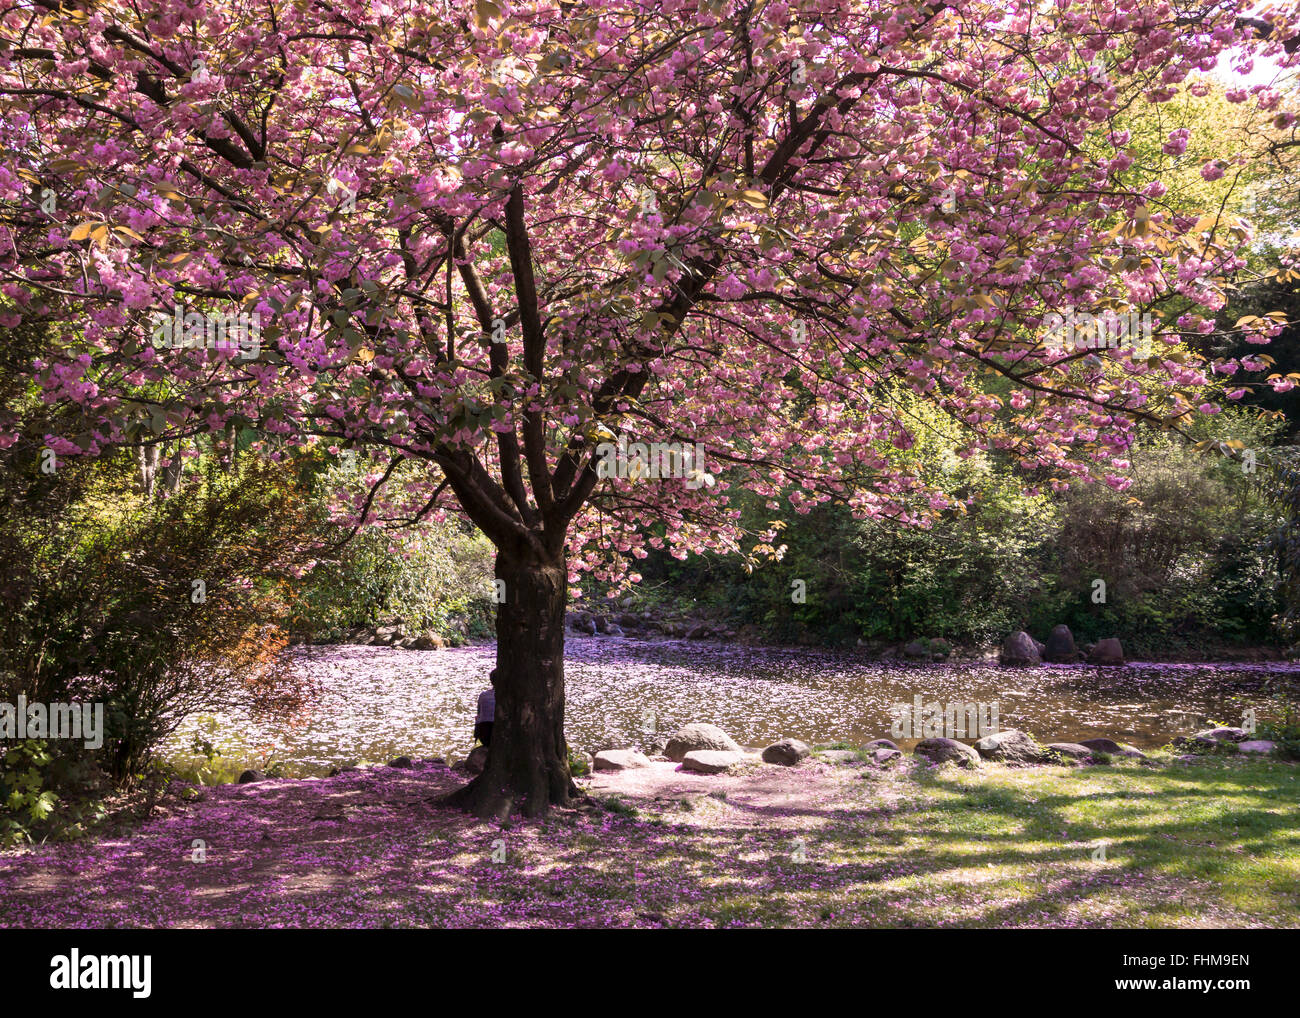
(487, 710)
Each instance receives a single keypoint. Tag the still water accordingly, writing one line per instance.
(376, 703)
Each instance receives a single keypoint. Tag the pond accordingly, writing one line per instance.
(377, 703)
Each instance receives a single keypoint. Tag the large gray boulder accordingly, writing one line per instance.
(1060, 646)
(786, 752)
(620, 760)
(698, 736)
(947, 751)
(711, 761)
(1107, 652)
(1011, 747)
(1020, 649)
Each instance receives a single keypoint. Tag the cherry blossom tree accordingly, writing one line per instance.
(475, 242)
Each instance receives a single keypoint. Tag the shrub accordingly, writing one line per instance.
(101, 602)
(438, 579)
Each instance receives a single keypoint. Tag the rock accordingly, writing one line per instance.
(1021, 649)
(1210, 738)
(786, 752)
(476, 761)
(628, 620)
(927, 649)
(386, 634)
(1101, 745)
(582, 622)
(884, 757)
(711, 761)
(1256, 746)
(1060, 646)
(698, 632)
(1112, 748)
(248, 777)
(614, 630)
(698, 736)
(1070, 750)
(401, 761)
(602, 625)
(947, 751)
(876, 744)
(655, 743)
(1107, 652)
(620, 760)
(1011, 746)
(428, 641)
(1040, 646)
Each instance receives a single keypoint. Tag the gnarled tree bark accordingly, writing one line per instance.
(528, 762)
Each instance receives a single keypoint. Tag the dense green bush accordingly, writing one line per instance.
(103, 602)
(438, 579)
(48, 789)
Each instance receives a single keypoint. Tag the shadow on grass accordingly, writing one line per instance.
(1212, 844)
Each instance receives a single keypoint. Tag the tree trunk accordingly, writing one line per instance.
(528, 761)
(146, 463)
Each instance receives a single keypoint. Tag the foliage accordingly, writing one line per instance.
(24, 801)
(1285, 728)
(578, 766)
(102, 604)
(438, 579)
(1182, 553)
(47, 790)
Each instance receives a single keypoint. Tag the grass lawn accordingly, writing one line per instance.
(1214, 843)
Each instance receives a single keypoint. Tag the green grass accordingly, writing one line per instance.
(1215, 843)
